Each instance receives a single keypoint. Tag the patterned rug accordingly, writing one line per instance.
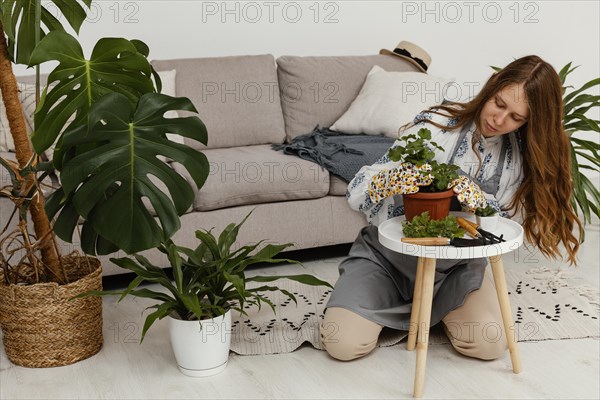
(544, 307)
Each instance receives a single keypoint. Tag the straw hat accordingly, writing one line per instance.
(412, 53)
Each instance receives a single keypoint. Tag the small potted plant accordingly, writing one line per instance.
(487, 219)
(209, 282)
(436, 197)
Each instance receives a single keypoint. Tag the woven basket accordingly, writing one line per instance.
(42, 328)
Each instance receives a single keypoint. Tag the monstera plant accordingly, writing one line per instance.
(104, 115)
(109, 151)
(106, 119)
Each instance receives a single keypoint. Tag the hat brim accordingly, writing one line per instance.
(413, 62)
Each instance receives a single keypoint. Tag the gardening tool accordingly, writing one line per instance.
(444, 241)
(475, 231)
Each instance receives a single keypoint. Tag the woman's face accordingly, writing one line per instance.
(504, 112)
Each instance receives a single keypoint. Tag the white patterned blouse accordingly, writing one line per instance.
(489, 150)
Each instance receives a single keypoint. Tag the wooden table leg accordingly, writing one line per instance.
(424, 322)
(416, 307)
(509, 328)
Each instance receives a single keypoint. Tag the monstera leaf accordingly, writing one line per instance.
(116, 65)
(105, 185)
(18, 20)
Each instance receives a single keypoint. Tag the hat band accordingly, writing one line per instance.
(406, 53)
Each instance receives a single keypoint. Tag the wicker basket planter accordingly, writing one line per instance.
(43, 328)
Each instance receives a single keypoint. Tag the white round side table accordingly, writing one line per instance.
(390, 234)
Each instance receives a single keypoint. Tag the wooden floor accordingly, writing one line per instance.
(124, 369)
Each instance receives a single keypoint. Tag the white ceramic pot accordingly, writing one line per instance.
(488, 223)
(201, 352)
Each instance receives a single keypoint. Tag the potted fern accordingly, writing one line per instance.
(99, 111)
(435, 198)
(209, 283)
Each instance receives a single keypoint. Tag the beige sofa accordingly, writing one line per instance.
(247, 104)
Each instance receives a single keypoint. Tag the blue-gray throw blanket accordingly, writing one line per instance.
(341, 154)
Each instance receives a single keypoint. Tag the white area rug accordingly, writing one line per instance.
(544, 307)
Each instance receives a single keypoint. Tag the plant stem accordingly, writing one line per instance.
(24, 153)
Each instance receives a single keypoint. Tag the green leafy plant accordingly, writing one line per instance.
(443, 174)
(486, 211)
(208, 280)
(415, 150)
(26, 22)
(422, 226)
(576, 105)
(104, 113)
(578, 102)
(108, 151)
(418, 150)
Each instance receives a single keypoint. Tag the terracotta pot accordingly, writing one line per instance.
(436, 203)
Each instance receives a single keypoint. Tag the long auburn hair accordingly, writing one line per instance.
(544, 196)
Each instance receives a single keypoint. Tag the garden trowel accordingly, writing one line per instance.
(476, 231)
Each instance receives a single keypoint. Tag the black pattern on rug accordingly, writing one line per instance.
(543, 306)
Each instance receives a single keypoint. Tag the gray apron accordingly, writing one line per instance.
(378, 283)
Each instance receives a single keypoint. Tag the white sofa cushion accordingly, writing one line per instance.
(389, 100)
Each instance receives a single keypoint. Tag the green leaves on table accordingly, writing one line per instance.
(422, 226)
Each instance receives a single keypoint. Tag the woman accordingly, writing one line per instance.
(518, 159)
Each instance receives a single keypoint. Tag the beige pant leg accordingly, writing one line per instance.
(475, 329)
(346, 335)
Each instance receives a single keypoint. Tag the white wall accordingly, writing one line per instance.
(463, 37)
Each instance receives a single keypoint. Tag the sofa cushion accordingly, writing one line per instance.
(318, 90)
(337, 186)
(256, 174)
(388, 100)
(236, 97)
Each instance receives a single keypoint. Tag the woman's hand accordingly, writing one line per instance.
(404, 179)
(468, 193)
